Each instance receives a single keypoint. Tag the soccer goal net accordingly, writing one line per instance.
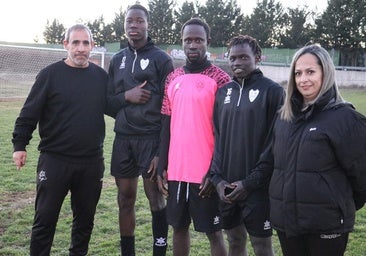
(19, 66)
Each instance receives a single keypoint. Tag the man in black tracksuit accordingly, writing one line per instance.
(243, 116)
(136, 87)
(67, 100)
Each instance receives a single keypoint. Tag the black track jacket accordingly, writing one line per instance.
(129, 68)
(243, 117)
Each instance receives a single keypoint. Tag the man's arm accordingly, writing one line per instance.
(28, 118)
(163, 154)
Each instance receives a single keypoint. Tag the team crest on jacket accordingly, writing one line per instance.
(144, 63)
(253, 94)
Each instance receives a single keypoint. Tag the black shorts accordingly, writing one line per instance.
(184, 206)
(255, 217)
(132, 157)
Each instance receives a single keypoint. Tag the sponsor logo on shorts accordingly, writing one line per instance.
(216, 220)
(161, 241)
(267, 225)
(42, 176)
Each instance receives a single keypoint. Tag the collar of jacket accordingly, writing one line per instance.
(325, 101)
(196, 67)
(254, 75)
(149, 44)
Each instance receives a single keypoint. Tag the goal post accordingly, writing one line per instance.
(19, 66)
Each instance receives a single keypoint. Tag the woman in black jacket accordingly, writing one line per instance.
(316, 162)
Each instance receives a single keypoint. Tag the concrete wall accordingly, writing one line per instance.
(356, 79)
(280, 74)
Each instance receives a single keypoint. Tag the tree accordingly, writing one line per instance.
(108, 34)
(297, 27)
(117, 26)
(338, 26)
(342, 27)
(265, 23)
(97, 28)
(223, 17)
(182, 14)
(161, 21)
(54, 33)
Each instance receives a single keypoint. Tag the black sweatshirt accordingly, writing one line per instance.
(68, 104)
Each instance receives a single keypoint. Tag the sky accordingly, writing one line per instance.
(23, 21)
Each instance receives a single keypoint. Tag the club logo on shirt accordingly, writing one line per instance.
(227, 99)
(253, 94)
(123, 63)
(144, 63)
(200, 85)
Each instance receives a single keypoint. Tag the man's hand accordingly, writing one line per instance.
(138, 95)
(152, 168)
(19, 158)
(162, 183)
(222, 189)
(206, 188)
(238, 193)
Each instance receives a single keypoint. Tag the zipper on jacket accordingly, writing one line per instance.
(240, 92)
(134, 61)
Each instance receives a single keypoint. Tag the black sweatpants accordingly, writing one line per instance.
(313, 244)
(55, 178)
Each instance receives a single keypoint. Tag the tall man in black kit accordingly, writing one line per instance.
(136, 86)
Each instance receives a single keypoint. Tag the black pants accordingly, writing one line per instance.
(313, 244)
(55, 178)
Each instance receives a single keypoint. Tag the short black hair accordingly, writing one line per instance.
(200, 22)
(245, 39)
(139, 7)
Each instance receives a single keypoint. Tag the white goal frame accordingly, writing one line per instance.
(19, 66)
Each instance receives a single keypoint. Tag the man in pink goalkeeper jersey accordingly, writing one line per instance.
(187, 143)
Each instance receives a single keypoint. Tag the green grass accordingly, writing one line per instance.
(357, 97)
(17, 190)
